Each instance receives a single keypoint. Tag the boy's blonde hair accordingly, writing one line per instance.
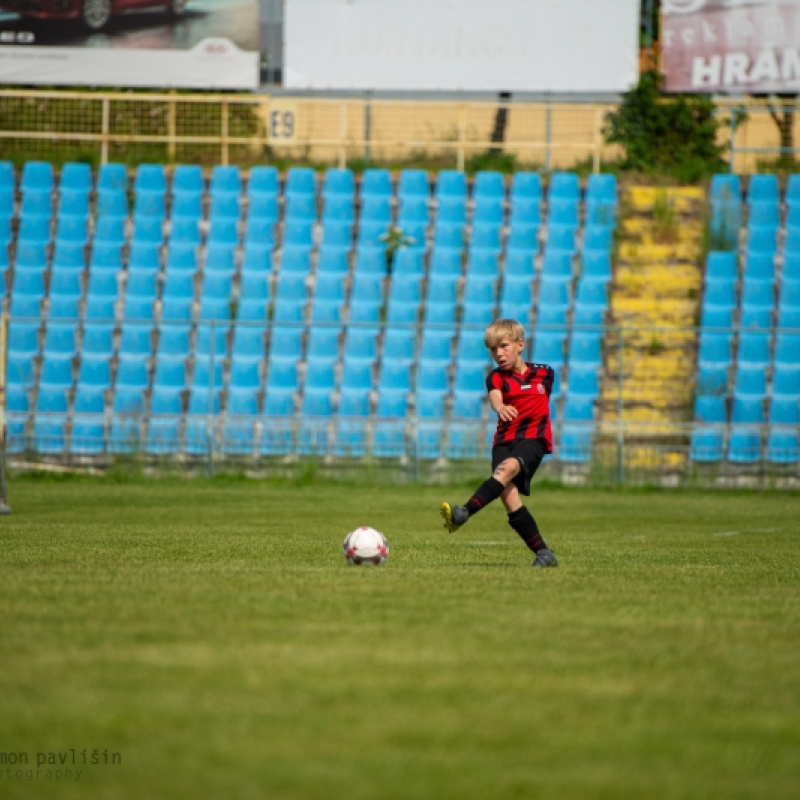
(503, 329)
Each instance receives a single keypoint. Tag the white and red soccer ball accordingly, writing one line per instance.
(365, 546)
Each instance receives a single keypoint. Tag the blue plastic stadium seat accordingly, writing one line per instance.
(263, 209)
(186, 207)
(150, 178)
(525, 212)
(482, 263)
(764, 213)
(376, 209)
(789, 295)
(298, 232)
(49, 435)
(320, 375)
(750, 380)
(470, 377)
(445, 262)
(88, 435)
(526, 185)
(187, 179)
(564, 185)
(762, 238)
(34, 231)
(601, 186)
(488, 184)
(263, 180)
(721, 294)
(585, 348)
(707, 444)
(428, 439)
(449, 235)
(150, 205)
(109, 231)
(576, 443)
(36, 175)
(754, 349)
(389, 438)
(73, 203)
(338, 233)
(554, 292)
(763, 187)
(563, 211)
(376, 183)
(332, 261)
(112, 204)
(225, 180)
(413, 183)
(783, 446)
(338, 182)
(354, 401)
(451, 210)
(745, 445)
(523, 240)
(759, 266)
(350, 439)
(69, 256)
(486, 236)
(726, 187)
(301, 181)
(561, 237)
(721, 266)
(8, 179)
(238, 435)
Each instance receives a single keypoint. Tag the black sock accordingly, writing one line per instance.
(489, 490)
(525, 525)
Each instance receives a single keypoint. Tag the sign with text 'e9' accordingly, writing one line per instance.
(183, 44)
(282, 121)
(731, 46)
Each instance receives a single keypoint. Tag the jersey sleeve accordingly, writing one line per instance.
(494, 382)
(548, 377)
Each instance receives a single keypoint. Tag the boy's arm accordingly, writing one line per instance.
(504, 412)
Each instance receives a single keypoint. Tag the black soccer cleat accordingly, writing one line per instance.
(454, 516)
(545, 558)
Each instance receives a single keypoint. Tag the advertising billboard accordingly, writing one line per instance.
(731, 46)
(193, 44)
(462, 45)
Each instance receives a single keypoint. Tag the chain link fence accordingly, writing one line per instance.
(634, 426)
(245, 129)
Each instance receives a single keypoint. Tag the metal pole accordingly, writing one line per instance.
(367, 127)
(648, 26)
(210, 425)
(620, 431)
(4, 508)
(548, 132)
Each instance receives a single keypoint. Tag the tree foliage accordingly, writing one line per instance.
(676, 135)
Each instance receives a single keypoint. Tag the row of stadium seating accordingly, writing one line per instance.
(317, 327)
(749, 354)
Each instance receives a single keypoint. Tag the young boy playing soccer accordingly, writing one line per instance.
(519, 393)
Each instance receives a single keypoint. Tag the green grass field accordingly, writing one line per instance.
(210, 633)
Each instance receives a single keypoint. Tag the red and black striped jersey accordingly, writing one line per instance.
(528, 392)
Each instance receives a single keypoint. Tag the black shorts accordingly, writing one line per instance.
(529, 453)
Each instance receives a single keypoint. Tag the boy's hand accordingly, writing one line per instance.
(507, 413)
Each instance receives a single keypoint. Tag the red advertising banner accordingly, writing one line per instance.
(731, 46)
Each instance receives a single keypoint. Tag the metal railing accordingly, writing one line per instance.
(136, 127)
(641, 431)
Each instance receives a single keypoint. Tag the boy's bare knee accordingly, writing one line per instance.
(506, 471)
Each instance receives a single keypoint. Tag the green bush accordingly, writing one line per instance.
(674, 135)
